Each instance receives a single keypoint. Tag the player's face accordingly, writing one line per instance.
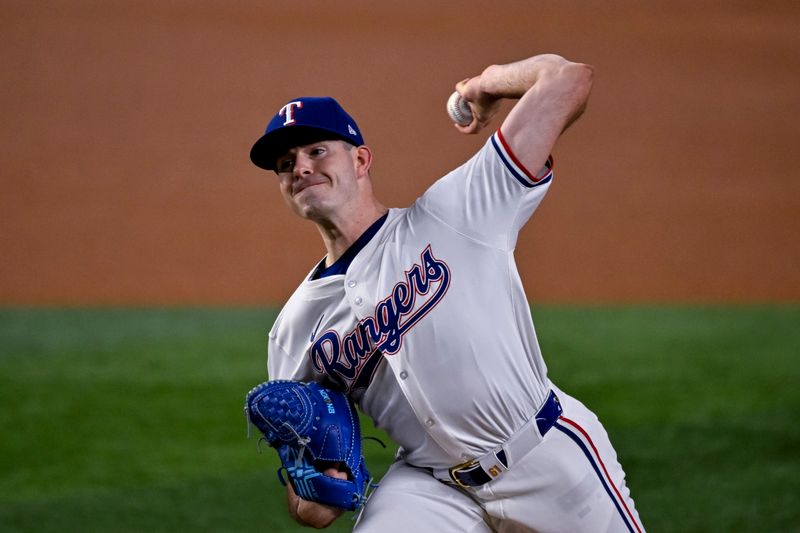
(319, 180)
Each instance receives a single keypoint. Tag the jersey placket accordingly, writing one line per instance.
(357, 283)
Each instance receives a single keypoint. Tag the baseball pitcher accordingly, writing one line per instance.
(418, 317)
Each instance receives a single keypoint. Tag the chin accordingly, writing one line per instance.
(314, 204)
(309, 211)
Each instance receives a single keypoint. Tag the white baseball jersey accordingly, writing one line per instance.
(429, 329)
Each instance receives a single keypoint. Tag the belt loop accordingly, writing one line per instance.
(548, 414)
(492, 464)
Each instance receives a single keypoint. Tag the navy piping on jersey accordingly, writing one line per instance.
(517, 169)
(341, 264)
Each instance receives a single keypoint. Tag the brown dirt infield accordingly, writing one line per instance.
(126, 128)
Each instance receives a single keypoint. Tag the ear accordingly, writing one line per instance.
(363, 160)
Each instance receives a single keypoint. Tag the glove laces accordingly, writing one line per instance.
(362, 503)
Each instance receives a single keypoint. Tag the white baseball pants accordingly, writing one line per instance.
(571, 482)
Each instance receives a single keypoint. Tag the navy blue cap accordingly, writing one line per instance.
(302, 121)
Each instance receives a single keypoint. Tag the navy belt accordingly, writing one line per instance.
(481, 470)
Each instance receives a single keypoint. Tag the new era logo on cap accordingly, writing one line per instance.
(302, 121)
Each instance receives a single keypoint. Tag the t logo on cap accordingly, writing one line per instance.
(288, 111)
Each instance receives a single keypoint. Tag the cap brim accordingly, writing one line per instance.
(274, 144)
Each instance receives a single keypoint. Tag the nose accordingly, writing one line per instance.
(302, 165)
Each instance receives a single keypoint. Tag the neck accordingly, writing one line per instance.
(339, 235)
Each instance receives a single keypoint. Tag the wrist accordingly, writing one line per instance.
(492, 82)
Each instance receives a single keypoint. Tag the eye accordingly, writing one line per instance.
(317, 151)
(285, 164)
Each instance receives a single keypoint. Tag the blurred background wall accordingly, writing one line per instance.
(125, 128)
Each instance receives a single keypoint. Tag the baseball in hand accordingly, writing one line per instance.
(459, 110)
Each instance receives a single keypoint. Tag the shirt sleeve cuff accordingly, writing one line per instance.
(517, 169)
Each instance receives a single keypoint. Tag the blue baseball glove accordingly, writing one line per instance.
(313, 428)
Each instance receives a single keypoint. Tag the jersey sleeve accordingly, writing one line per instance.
(490, 197)
(281, 363)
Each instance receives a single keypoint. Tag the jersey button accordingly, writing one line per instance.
(403, 374)
(429, 422)
(358, 300)
(351, 283)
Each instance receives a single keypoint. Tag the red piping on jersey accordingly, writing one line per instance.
(516, 161)
(608, 477)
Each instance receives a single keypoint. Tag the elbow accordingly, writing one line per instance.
(587, 73)
(580, 77)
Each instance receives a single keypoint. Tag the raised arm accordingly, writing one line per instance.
(552, 94)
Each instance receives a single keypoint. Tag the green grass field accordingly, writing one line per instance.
(131, 420)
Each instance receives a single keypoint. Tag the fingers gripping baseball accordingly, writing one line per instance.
(459, 110)
(482, 106)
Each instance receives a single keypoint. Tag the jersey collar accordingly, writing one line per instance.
(341, 264)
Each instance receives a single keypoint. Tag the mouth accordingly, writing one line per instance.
(305, 185)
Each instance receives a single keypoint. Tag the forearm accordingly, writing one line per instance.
(551, 94)
(549, 89)
(512, 80)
